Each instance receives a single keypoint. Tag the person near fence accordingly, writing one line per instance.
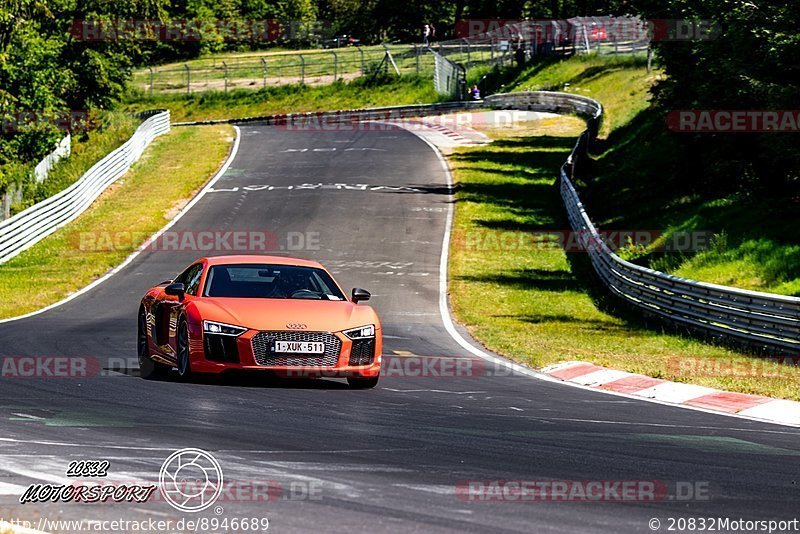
(475, 93)
(426, 34)
(519, 56)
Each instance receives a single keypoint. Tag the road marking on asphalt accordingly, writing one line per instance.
(26, 417)
(49, 466)
(438, 489)
(11, 489)
(318, 186)
(328, 466)
(433, 391)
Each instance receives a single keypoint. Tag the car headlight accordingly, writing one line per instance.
(362, 332)
(222, 329)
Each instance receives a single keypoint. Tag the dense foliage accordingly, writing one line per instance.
(749, 62)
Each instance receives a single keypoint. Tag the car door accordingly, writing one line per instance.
(167, 308)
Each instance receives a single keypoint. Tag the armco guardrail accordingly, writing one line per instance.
(40, 220)
(320, 119)
(764, 320)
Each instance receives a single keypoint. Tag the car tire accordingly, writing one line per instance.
(184, 363)
(356, 382)
(148, 369)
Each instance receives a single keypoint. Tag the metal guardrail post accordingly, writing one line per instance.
(416, 57)
(466, 41)
(7, 203)
(302, 68)
(361, 51)
(225, 67)
(264, 70)
(188, 78)
(151, 80)
(335, 64)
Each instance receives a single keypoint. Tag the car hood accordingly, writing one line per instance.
(275, 314)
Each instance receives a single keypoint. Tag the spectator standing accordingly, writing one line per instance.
(475, 93)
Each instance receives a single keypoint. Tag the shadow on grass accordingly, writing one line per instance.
(538, 279)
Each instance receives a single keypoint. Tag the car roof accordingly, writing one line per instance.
(252, 258)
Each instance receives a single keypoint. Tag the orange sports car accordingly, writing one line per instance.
(285, 315)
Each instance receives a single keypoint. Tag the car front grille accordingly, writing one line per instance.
(362, 352)
(263, 343)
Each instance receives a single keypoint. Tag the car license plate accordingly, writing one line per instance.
(300, 347)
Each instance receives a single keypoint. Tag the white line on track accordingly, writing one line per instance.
(11, 489)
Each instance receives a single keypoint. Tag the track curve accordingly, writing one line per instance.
(386, 460)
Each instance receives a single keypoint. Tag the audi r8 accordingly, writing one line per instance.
(258, 313)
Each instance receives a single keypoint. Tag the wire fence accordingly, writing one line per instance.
(522, 42)
(258, 71)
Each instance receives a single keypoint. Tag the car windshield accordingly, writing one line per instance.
(271, 282)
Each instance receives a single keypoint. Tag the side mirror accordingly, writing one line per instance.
(176, 290)
(360, 294)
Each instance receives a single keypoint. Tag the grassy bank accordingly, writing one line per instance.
(359, 93)
(643, 180)
(544, 308)
(139, 204)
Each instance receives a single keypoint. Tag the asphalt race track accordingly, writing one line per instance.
(385, 460)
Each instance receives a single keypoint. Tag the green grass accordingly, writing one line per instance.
(290, 98)
(139, 204)
(545, 308)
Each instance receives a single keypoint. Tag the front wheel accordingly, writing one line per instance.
(356, 382)
(184, 362)
(148, 369)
